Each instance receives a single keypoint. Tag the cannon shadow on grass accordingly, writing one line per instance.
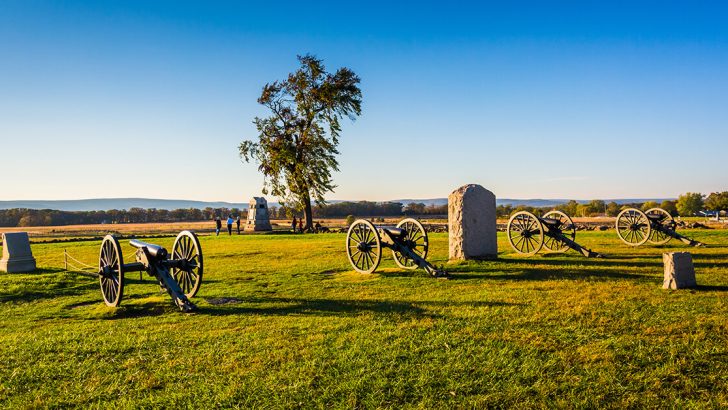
(333, 307)
(130, 308)
(711, 288)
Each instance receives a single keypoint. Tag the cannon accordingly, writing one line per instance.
(655, 226)
(528, 234)
(408, 242)
(180, 274)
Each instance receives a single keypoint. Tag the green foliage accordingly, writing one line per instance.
(613, 209)
(285, 323)
(689, 203)
(350, 220)
(414, 208)
(297, 145)
(717, 201)
(670, 207)
(570, 208)
(597, 207)
(583, 210)
(649, 205)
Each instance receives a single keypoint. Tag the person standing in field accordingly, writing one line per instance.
(293, 225)
(237, 223)
(218, 226)
(230, 224)
(300, 225)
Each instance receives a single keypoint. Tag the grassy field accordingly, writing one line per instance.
(284, 322)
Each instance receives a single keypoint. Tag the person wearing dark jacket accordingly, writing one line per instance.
(218, 226)
(237, 223)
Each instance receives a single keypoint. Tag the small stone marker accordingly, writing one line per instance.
(258, 217)
(17, 256)
(679, 271)
(472, 223)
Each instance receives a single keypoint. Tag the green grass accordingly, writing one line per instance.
(301, 329)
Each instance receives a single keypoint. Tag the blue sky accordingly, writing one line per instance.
(566, 100)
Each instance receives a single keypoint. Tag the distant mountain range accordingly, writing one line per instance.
(105, 204)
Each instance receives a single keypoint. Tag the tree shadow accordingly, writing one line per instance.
(562, 260)
(333, 307)
(555, 269)
(529, 274)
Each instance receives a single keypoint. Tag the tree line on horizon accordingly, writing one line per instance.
(48, 217)
(687, 204)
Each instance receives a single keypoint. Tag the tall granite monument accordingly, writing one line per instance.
(471, 222)
(17, 256)
(258, 216)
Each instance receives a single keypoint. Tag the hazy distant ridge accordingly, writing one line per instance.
(534, 202)
(104, 204)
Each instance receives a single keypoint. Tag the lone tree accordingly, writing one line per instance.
(689, 203)
(297, 145)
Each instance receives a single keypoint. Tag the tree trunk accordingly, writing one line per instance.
(308, 213)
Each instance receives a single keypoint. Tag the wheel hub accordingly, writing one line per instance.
(106, 271)
(363, 247)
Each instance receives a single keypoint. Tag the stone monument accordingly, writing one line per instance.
(472, 223)
(17, 256)
(258, 217)
(679, 271)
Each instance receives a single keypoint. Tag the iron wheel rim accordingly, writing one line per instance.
(525, 233)
(363, 246)
(633, 227)
(187, 246)
(417, 236)
(111, 271)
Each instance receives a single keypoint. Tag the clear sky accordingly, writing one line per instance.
(531, 100)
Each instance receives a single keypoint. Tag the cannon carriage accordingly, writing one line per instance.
(655, 226)
(555, 231)
(179, 274)
(408, 242)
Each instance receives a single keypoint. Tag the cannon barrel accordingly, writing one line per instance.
(154, 250)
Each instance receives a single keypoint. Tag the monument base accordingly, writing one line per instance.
(17, 256)
(258, 228)
(17, 265)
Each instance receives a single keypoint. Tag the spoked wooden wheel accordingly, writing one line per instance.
(188, 276)
(525, 233)
(415, 239)
(633, 227)
(566, 227)
(658, 237)
(111, 271)
(363, 246)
